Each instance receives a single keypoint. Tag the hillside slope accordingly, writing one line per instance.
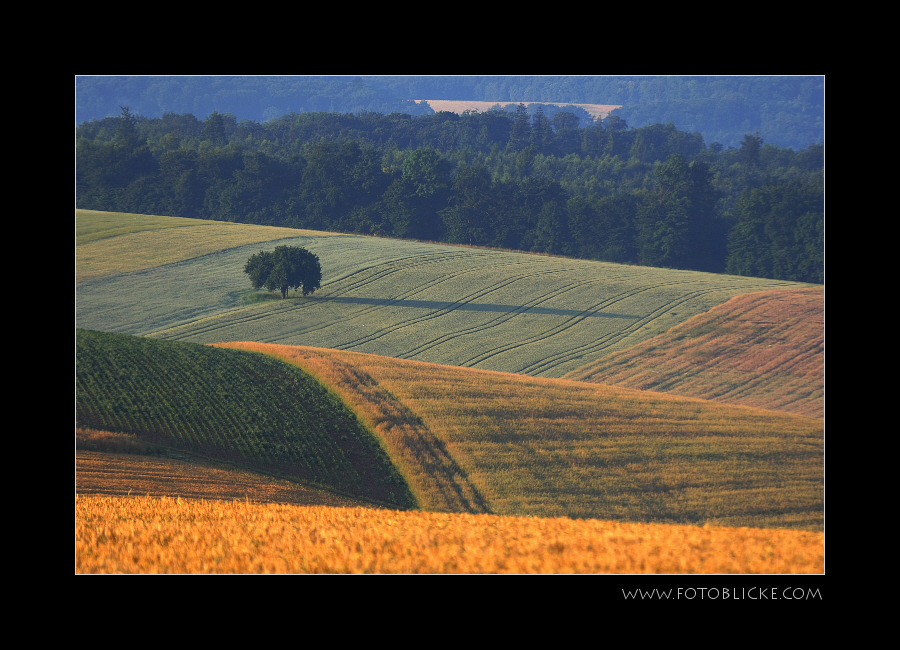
(762, 349)
(559, 448)
(496, 310)
(248, 409)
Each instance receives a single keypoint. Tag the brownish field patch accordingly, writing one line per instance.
(597, 111)
(764, 349)
(124, 474)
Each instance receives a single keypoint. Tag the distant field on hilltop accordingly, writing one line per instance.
(597, 111)
(558, 448)
(764, 349)
(496, 310)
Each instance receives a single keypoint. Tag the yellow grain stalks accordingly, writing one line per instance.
(149, 535)
(558, 448)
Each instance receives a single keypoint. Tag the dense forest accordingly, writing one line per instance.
(524, 180)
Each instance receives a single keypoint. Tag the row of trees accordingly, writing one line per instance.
(520, 180)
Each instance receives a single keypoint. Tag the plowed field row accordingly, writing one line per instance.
(436, 479)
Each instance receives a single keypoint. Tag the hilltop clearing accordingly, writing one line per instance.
(554, 448)
(762, 349)
(496, 310)
(597, 111)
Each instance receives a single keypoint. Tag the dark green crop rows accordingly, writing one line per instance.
(233, 405)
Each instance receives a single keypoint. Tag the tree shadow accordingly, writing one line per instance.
(472, 306)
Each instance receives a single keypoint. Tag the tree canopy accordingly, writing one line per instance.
(285, 268)
(652, 195)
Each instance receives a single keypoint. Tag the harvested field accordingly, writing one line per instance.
(764, 349)
(148, 535)
(512, 312)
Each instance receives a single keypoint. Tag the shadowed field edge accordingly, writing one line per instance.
(436, 480)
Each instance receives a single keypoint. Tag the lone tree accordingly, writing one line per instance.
(285, 268)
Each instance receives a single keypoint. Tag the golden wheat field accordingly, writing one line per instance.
(151, 535)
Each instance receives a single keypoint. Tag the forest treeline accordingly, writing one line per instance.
(653, 195)
(788, 109)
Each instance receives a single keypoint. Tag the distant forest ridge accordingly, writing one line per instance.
(787, 110)
(596, 111)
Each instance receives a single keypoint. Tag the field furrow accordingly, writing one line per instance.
(762, 349)
(435, 478)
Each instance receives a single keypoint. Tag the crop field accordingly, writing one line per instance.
(126, 474)
(233, 406)
(108, 243)
(495, 310)
(761, 349)
(151, 535)
(559, 448)
(437, 409)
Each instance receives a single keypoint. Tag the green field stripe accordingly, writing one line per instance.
(438, 312)
(483, 327)
(231, 405)
(556, 329)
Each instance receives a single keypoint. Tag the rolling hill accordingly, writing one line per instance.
(559, 448)
(488, 309)
(452, 379)
(245, 409)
